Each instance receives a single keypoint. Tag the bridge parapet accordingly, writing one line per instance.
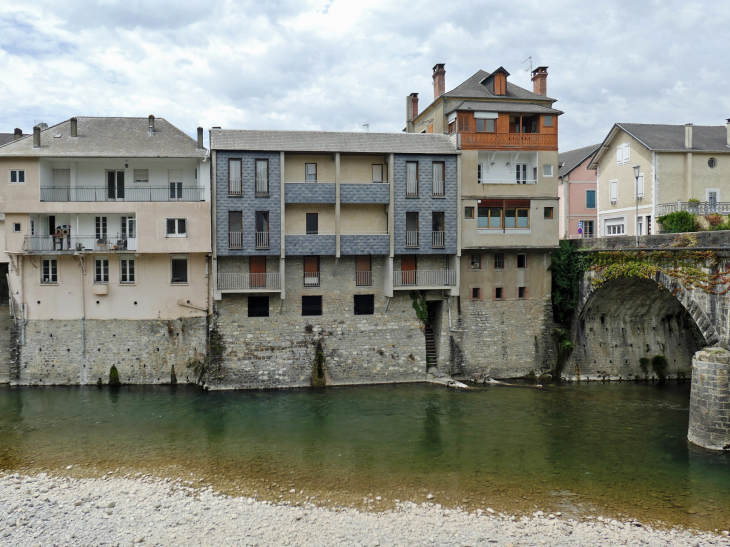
(715, 239)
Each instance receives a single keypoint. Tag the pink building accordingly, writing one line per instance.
(577, 194)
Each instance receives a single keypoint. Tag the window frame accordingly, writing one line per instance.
(177, 233)
(613, 191)
(551, 214)
(466, 209)
(306, 173)
(434, 167)
(712, 162)
(498, 261)
(524, 291)
(548, 120)
(707, 194)
(311, 299)
(130, 273)
(101, 277)
(382, 173)
(478, 295)
(256, 177)
(307, 231)
(550, 175)
(17, 176)
(417, 181)
(173, 258)
(53, 276)
(591, 191)
(258, 298)
(499, 296)
(475, 264)
(517, 217)
(137, 180)
(517, 261)
(366, 309)
(17, 228)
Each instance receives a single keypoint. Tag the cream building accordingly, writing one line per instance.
(676, 164)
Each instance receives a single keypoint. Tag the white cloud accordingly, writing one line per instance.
(335, 64)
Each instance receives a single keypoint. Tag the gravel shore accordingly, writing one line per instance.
(46, 511)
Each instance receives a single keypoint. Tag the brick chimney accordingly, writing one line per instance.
(200, 137)
(151, 124)
(539, 80)
(18, 133)
(37, 137)
(414, 105)
(74, 127)
(439, 80)
(688, 136)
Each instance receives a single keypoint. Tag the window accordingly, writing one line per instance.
(613, 191)
(311, 271)
(175, 227)
(262, 229)
(262, 178)
(411, 179)
(548, 213)
(469, 212)
(17, 176)
(476, 262)
(547, 121)
(547, 170)
(128, 229)
(615, 228)
(175, 178)
(377, 172)
(235, 230)
(311, 305)
(258, 306)
(712, 163)
(590, 199)
(310, 172)
(32, 227)
(312, 223)
(101, 229)
(438, 229)
(498, 261)
(179, 269)
(452, 127)
(363, 271)
(517, 218)
(489, 217)
(126, 274)
(648, 225)
(587, 226)
(521, 173)
(364, 304)
(521, 293)
(476, 293)
(712, 195)
(16, 227)
(115, 184)
(485, 126)
(411, 229)
(522, 260)
(498, 292)
(623, 154)
(480, 173)
(235, 173)
(101, 270)
(439, 172)
(141, 175)
(49, 271)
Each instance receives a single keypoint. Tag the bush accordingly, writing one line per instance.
(644, 365)
(568, 266)
(714, 221)
(677, 222)
(114, 376)
(659, 364)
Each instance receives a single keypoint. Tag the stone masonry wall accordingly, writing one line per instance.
(143, 351)
(709, 411)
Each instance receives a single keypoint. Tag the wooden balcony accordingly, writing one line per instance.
(508, 141)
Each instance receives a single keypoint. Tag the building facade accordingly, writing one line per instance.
(108, 233)
(577, 192)
(681, 168)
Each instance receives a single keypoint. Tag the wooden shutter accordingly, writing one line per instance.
(613, 189)
(257, 264)
(620, 154)
(640, 190)
(408, 263)
(362, 263)
(311, 264)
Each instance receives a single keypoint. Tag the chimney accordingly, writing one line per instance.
(439, 80)
(539, 80)
(74, 127)
(200, 137)
(414, 105)
(152, 124)
(728, 132)
(36, 137)
(688, 136)
(18, 133)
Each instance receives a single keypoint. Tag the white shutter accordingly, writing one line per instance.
(627, 153)
(614, 191)
(620, 154)
(640, 190)
(175, 175)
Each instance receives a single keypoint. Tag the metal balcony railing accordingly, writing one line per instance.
(235, 187)
(262, 240)
(411, 239)
(262, 188)
(424, 278)
(507, 181)
(439, 188)
(438, 239)
(235, 240)
(412, 189)
(311, 279)
(694, 207)
(72, 244)
(363, 279)
(129, 193)
(245, 281)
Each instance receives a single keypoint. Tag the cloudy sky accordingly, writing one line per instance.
(337, 64)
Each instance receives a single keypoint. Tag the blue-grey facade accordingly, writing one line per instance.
(425, 204)
(302, 245)
(365, 193)
(372, 244)
(310, 192)
(247, 203)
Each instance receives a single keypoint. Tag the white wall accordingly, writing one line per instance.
(500, 171)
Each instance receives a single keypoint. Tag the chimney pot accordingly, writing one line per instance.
(439, 80)
(36, 137)
(539, 80)
(688, 136)
(18, 133)
(74, 127)
(200, 137)
(152, 124)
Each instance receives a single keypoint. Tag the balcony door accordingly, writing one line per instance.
(129, 235)
(235, 229)
(262, 229)
(257, 271)
(521, 173)
(115, 185)
(408, 265)
(311, 271)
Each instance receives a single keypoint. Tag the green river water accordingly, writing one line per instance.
(583, 449)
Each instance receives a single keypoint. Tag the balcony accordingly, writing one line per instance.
(310, 244)
(311, 279)
(235, 240)
(81, 244)
(694, 207)
(262, 240)
(438, 240)
(439, 189)
(507, 141)
(363, 279)
(309, 192)
(251, 282)
(129, 194)
(365, 243)
(262, 188)
(507, 181)
(373, 192)
(412, 240)
(431, 279)
(411, 188)
(235, 187)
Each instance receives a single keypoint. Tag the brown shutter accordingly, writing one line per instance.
(311, 264)
(362, 263)
(408, 263)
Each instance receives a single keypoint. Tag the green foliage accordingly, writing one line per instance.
(568, 266)
(693, 200)
(114, 376)
(211, 364)
(679, 221)
(418, 300)
(659, 365)
(644, 365)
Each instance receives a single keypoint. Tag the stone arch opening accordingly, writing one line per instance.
(629, 318)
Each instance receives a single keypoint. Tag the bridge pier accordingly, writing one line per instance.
(709, 410)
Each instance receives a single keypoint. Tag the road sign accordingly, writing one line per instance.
(580, 231)
(580, 224)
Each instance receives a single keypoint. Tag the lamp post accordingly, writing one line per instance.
(637, 168)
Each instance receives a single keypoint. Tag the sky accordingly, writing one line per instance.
(336, 65)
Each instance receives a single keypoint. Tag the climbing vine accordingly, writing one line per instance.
(568, 266)
(418, 299)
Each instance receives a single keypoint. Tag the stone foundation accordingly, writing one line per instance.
(709, 411)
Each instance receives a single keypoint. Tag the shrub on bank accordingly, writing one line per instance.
(659, 365)
(679, 221)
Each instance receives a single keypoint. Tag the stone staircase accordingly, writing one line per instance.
(431, 356)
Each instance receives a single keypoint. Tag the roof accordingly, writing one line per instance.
(108, 138)
(473, 87)
(489, 106)
(330, 141)
(573, 158)
(5, 138)
(669, 138)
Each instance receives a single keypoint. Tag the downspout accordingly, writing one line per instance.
(83, 313)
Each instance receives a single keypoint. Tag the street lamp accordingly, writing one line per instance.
(637, 169)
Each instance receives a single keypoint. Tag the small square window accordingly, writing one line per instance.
(521, 293)
(548, 212)
(498, 261)
(547, 170)
(364, 304)
(498, 293)
(522, 260)
(17, 176)
(475, 293)
(469, 212)
(141, 175)
(311, 305)
(258, 306)
(476, 262)
(548, 121)
(176, 227)
(16, 227)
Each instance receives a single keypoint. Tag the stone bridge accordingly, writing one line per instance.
(620, 325)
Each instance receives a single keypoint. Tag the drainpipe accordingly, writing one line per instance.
(22, 301)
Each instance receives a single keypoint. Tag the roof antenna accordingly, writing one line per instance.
(366, 125)
(528, 59)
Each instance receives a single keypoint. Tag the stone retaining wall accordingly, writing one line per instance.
(709, 411)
